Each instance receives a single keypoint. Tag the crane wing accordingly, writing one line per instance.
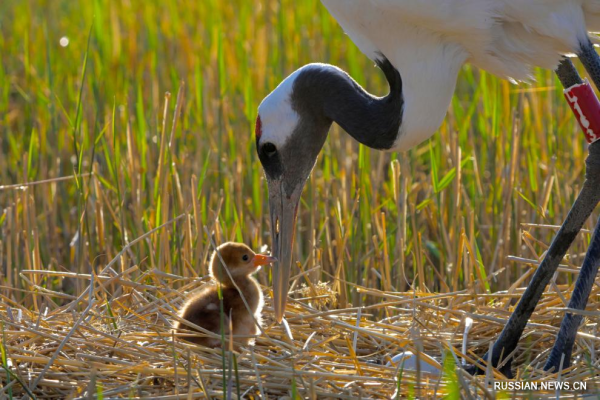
(504, 37)
(591, 9)
(553, 18)
(443, 16)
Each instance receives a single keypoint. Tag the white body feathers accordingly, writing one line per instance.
(428, 41)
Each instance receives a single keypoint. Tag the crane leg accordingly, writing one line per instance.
(582, 208)
(591, 61)
(568, 328)
(588, 198)
(589, 269)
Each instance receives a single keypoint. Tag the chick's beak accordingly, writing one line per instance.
(260, 259)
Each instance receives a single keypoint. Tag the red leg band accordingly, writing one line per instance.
(586, 107)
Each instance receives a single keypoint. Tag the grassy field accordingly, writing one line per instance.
(95, 153)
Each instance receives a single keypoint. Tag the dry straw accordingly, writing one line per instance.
(124, 348)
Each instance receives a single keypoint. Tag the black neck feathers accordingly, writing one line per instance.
(325, 93)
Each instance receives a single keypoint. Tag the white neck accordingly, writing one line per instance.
(429, 71)
(427, 62)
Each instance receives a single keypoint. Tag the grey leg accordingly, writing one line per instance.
(589, 269)
(568, 328)
(590, 60)
(567, 74)
(582, 208)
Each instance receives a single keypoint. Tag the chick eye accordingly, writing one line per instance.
(269, 149)
(245, 257)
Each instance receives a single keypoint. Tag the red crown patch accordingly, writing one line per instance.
(258, 128)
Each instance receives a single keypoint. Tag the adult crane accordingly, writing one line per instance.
(420, 45)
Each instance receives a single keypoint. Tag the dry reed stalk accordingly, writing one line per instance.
(335, 353)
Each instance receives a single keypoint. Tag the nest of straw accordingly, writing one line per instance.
(124, 347)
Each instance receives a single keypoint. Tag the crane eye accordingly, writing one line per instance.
(269, 149)
(245, 257)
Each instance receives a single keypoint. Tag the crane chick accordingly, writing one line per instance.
(204, 309)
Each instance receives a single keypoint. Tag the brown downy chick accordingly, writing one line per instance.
(203, 308)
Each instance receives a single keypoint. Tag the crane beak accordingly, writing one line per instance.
(283, 210)
(260, 259)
